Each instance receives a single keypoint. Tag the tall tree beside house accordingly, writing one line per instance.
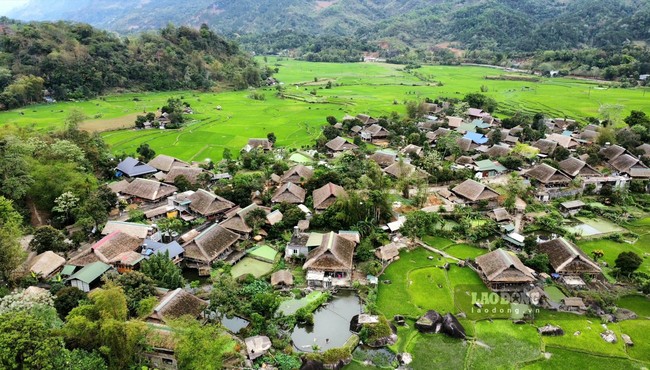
(163, 271)
(627, 262)
(146, 153)
(137, 286)
(47, 238)
(201, 346)
(10, 232)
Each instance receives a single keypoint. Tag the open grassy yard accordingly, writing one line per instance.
(372, 88)
(464, 251)
(249, 265)
(637, 303)
(502, 344)
(562, 359)
(612, 249)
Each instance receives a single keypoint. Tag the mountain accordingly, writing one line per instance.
(518, 25)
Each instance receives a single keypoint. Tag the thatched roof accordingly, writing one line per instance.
(545, 146)
(236, 221)
(383, 159)
(387, 252)
(623, 162)
(133, 167)
(264, 144)
(574, 302)
(572, 204)
(119, 186)
(366, 119)
(177, 303)
(499, 214)
(454, 122)
(283, 277)
(335, 253)
(207, 204)
(46, 263)
(297, 174)
(498, 151)
(611, 152)
(547, 174)
(566, 257)
(109, 248)
(465, 144)
(376, 131)
(474, 191)
(190, 173)
(588, 135)
(339, 144)
(464, 160)
(210, 244)
(573, 167)
(326, 195)
(149, 189)
(500, 266)
(133, 229)
(441, 131)
(412, 149)
(645, 148)
(562, 140)
(84, 259)
(165, 163)
(399, 169)
(289, 193)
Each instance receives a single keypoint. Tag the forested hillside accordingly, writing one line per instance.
(73, 60)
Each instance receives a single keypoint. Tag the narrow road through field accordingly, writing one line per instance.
(434, 250)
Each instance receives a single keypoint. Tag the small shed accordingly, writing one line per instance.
(87, 277)
(573, 304)
(282, 278)
(571, 208)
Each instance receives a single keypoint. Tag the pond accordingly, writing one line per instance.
(331, 327)
(234, 324)
(191, 275)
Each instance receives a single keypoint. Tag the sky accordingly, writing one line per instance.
(6, 5)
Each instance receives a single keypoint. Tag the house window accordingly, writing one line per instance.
(295, 251)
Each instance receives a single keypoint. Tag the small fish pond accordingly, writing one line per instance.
(331, 327)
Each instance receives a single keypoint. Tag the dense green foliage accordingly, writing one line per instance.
(72, 61)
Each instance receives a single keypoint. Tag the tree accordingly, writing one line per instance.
(136, 286)
(628, 262)
(146, 153)
(611, 113)
(227, 154)
(66, 299)
(480, 101)
(330, 132)
(26, 343)
(64, 205)
(47, 238)
(255, 219)
(201, 346)
(597, 253)
(420, 223)
(539, 262)
(182, 183)
(163, 271)
(561, 153)
(265, 304)
(271, 137)
(139, 121)
(637, 118)
(332, 120)
(10, 232)
(15, 176)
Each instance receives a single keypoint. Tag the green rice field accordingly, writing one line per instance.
(372, 88)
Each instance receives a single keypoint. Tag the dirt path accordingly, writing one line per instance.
(434, 250)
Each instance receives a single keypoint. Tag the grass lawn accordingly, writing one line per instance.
(464, 251)
(290, 306)
(429, 289)
(562, 359)
(437, 242)
(639, 332)
(589, 339)
(637, 303)
(554, 293)
(612, 249)
(437, 351)
(251, 266)
(509, 344)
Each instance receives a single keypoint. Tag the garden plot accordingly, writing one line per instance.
(593, 227)
(249, 265)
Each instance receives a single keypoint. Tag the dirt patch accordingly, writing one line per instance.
(447, 45)
(107, 124)
(433, 201)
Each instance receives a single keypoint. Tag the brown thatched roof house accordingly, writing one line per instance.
(499, 215)
(46, 264)
(400, 169)
(498, 151)
(330, 264)
(547, 175)
(546, 147)
(216, 242)
(567, 258)
(326, 195)
(207, 204)
(297, 174)
(573, 167)
(630, 165)
(612, 151)
(263, 144)
(119, 249)
(387, 252)
(454, 122)
(374, 132)
(289, 193)
(190, 173)
(149, 190)
(165, 163)
(645, 149)
(282, 277)
(564, 141)
(383, 159)
(502, 271)
(236, 219)
(339, 144)
(474, 191)
(175, 304)
(413, 149)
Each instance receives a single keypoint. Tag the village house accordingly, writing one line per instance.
(454, 122)
(209, 205)
(500, 215)
(173, 250)
(504, 272)
(574, 304)
(339, 145)
(214, 243)
(191, 174)
(374, 133)
(236, 220)
(413, 150)
(175, 304)
(282, 278)
(550, 183)
(568, 260)
(473, 192)
(257, 346)
(574, 167)
(133, 229)
(326, 195)
(496, 151)
(488, 168)
(571, 208)
(644, 149)
(297, 174)
(433, 136)
(289, 193)
(142, 190)
(564, 141)
(301, 243)
(388, 253)
(366, 120)
(263, 144)
(89, 277)
(132, 167)
(165, 163)
(330, 264)
(46, 265)
(383, 158)
(630, 165)
(546, 147)
(402, 169)
(119, 250)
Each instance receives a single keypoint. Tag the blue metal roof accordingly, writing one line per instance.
(476, 137)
